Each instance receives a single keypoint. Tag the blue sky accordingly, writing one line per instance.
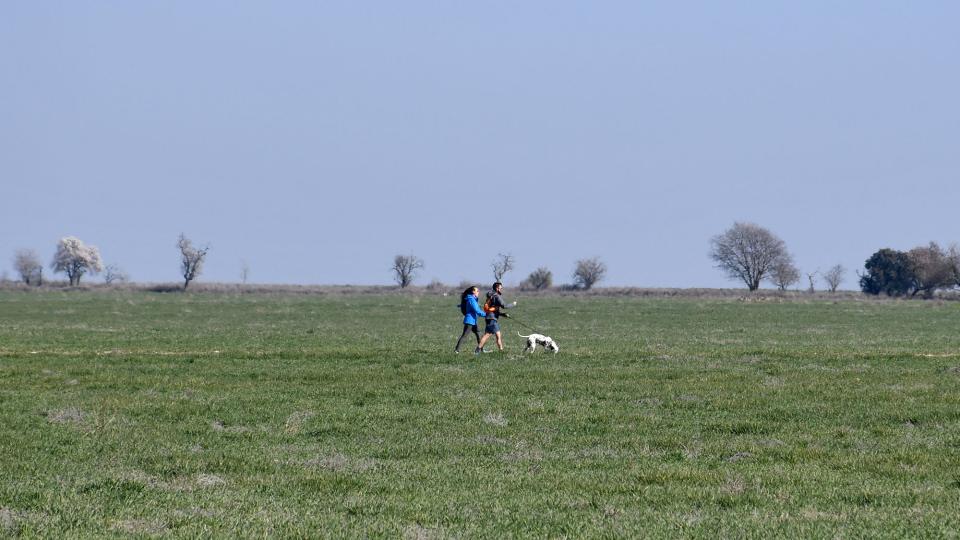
(317, 140)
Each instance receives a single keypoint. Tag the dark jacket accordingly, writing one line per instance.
(496, 303)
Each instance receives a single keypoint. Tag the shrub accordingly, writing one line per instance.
(538, 280)
(888, 271)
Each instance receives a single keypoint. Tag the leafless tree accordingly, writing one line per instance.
(747, 252)
(784, 273)
(114, 274)
(834, 277)
(588, 272)
(244, 272)
(27, 264)
(75, 258)
(811, 278)
(191, 259)
(405, 269)
(933, 269)
(501, 265)
(539, 279)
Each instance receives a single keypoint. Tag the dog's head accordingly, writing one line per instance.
(551, 345)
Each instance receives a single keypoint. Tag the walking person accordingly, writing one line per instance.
(470, 308)
(493, 308)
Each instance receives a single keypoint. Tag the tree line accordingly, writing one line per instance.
(750, 253)
(75, 259)
(586, 272)
(746, 252)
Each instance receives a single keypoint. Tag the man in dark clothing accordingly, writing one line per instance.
(493, 308)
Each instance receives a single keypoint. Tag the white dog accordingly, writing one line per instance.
(546, 342)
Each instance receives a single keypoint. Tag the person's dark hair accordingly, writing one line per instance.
(463, 299)
(495, 285)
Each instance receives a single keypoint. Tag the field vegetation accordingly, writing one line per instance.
(251, 414)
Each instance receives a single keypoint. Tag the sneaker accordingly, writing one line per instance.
(456, 351)
(477, 351)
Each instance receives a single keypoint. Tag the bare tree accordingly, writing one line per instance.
(811, 278)
(932, 267)
(191, 259)
(834, 277)
(588, 272)
(539, 279)
(27, 264)
(501, 265)
(114, 274)
(244, 272)
(405, 269)
(747, 252)
(75, 259)
(784, 273)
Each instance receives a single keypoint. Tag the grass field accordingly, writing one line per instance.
(259, 415)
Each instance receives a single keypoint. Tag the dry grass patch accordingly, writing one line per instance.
(419, 532)
(209, 480)
(495, 419)
(522, 451)
(9, 521)
(733, 486)
(487, 439)
(71, 415)
(296, 421)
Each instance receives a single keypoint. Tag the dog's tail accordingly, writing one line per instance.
(521, 335)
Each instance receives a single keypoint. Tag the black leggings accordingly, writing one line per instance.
(466, 330)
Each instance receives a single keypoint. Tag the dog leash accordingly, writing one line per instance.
(523, 324)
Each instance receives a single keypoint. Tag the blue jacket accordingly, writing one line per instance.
(473, 310)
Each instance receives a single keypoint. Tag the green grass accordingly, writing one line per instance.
(280, 415)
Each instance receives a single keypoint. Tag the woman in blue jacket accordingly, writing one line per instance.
(471, 310)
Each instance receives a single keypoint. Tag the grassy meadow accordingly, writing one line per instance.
(282, 415)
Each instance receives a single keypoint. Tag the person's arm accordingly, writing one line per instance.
(475, 307)
(503, 305)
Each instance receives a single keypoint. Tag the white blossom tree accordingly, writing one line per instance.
(191, 259)
(75, 258)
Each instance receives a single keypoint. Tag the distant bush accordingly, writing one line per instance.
(834, 277)
(588, 272)
(933, 268)
(27, 264)
(437, 286)
(784, 272)
(888, 271)
(538, 280)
